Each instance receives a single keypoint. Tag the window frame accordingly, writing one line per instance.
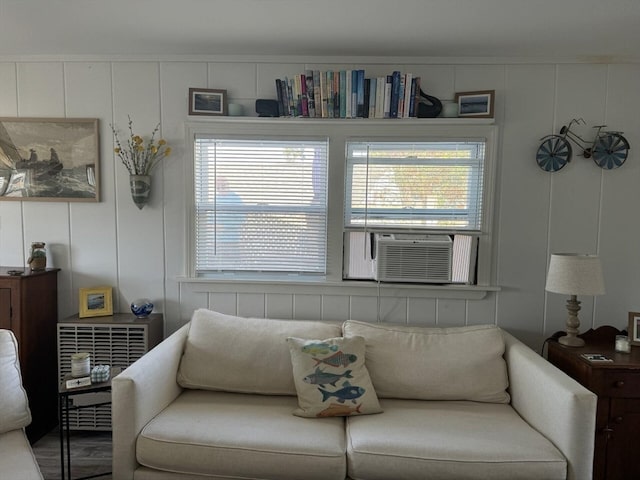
(339, 131)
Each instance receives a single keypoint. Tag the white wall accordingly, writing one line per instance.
(141, 252)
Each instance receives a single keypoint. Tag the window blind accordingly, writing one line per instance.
(435, 185)
(260, 205)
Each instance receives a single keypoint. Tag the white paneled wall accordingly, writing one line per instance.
(142, 252)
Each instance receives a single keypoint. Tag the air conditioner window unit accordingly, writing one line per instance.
(413, 258)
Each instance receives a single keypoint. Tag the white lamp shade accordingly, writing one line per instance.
(575, 274)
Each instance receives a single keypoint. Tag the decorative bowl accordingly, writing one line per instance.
(142, 307)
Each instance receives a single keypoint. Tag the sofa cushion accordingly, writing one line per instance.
(221, 434)
(449, 440)
(460, 363)
(14, 406)
(236, 354)
(331, 377)
(16, 457)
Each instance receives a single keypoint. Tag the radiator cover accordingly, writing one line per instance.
(117, 341)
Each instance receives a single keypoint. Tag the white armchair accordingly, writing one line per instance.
(16, 457)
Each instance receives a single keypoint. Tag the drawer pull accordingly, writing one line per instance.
(619, 384)
(618, 420)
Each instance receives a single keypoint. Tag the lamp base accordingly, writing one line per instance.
(573, 323)
(571, 341)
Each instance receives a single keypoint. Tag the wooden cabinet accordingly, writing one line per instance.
(617, 385)
(29, 307)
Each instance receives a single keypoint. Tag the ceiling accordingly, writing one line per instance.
(584, 30)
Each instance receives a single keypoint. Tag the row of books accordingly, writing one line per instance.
(348, 94)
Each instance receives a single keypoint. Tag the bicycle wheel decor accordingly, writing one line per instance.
(610, 150)
(553, 153)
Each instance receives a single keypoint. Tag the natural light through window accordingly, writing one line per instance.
(261, 205)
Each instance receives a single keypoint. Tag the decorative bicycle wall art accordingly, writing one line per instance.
(608, 149)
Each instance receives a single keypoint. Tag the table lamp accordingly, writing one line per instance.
(574, 274)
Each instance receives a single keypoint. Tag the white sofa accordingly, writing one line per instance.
(215, 400)
(16, 457)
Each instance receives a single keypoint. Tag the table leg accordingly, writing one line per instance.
(61, 428)
(66, 408)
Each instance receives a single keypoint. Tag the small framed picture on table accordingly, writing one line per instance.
(95, 302)
(634, 328)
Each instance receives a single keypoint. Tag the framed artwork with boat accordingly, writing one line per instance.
(49, 159)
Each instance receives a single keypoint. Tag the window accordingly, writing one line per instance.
(433, 185)
(260, 205)
(299, 200)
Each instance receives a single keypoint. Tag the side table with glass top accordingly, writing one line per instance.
(65, 407)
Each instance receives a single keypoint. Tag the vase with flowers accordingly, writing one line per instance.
(140, 157)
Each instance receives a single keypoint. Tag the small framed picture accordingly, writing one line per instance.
(95, 302)
(634, 328)
(207, 101)
(476, 104)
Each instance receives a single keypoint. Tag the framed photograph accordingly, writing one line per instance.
(95, 302)
(207, 101)
(634, 328)
(49, 159)
(476, 104)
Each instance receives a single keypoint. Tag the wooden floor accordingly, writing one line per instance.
(90, 454)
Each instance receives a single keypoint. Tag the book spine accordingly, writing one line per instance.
(381, 84)
(354, 93)
(401, 96)
(408, 99)
(303, 96)
(343, 91)
(311, 100)
(323, 95)
(317, 95)
(367, 95)
(395, 92)
(329, 84)
(279, 97)
(360, 95)
(347, 93)
(336, 94)
(387, 96)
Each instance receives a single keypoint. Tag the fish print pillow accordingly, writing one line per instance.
(331, 378)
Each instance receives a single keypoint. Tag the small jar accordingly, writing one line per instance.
(80, 364)
(622, 344)
(38, 258)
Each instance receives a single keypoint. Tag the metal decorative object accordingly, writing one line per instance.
(608, 149)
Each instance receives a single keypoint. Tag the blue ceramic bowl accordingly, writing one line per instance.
(142, 307)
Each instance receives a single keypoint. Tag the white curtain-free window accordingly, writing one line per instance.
(260, 205)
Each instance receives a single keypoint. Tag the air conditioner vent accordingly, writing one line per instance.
(413, 258)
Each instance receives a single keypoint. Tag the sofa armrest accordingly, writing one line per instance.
(139, 393)
(554, 404)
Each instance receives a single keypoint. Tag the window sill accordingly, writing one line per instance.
(321, 286)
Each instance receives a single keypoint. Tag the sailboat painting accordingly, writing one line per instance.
(49, 159)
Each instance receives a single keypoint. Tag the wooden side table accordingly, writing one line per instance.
(617, 385)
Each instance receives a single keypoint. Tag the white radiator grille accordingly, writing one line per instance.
(114, 345)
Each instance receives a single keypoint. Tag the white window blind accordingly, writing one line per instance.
(434, 185)
(260, 205)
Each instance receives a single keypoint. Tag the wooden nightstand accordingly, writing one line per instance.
(617, 385)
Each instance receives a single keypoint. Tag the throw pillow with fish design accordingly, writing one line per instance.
(331, 378)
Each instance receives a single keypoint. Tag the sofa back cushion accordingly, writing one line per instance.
(14, 406)
(248, 355)
(461, 363)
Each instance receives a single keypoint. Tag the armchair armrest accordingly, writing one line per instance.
(139, 393)
(554, 404)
